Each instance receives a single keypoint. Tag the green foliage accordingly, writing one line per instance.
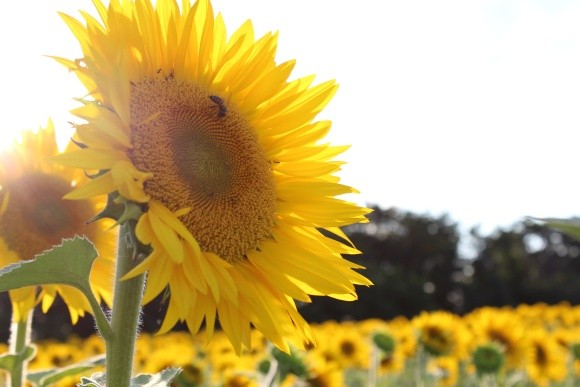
(488, 358)
(9, 362)
(96, 380)
(528, 264)
(384, 342)
(292, 363)
(161, 379)
(568, 226)
(45, 378)
(264, 366)
(67, 264)
(355, 378)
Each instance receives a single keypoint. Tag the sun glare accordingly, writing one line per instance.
(7, 138)
(47, 89)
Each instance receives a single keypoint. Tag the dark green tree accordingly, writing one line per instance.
(528, 263)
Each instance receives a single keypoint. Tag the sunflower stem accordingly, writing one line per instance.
(19, 339)
(421, 368)
(374, 366)
(101, 320)
(125, 313)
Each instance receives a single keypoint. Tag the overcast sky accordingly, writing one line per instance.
(463, 107)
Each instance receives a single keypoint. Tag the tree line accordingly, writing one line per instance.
(415, 263)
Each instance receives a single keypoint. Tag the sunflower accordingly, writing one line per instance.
(404, 335)
(548, 363)
(504, 327)
(222, 151)
(445, 369)
(34, 217)
(442, 333)
(321, 372)
(347, 346)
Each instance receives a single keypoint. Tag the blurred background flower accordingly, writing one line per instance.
(34, 217)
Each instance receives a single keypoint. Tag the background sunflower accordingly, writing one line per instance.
(34, 217)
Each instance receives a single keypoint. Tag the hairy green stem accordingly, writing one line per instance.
(100, 319)
(19, 339)
(125, 312)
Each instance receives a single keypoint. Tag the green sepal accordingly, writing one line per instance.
(9, 361)
(131, 211)
(46, 378)
(119, 209)
(113, 210)
(85, 101)
(68, 264)
(570, 226)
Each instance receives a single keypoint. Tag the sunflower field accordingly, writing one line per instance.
(199, 173)
(530, 345)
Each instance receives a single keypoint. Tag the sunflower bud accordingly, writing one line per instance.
(264, 366)
(575, 349)
(488, 358)
(385, 342)
(291, 363)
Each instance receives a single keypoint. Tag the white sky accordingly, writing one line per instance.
(464, 107)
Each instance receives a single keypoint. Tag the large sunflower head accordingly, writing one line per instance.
(34, 217)
(222, 150)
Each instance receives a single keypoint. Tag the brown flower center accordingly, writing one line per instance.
(541, 355)
(347, 348)
(436, 340)
(36, 216)
(205, 156)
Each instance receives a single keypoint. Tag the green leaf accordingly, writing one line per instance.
(9, 361)
(35, 377)
(47, 377)
(96, 380)
(67, 264)
(570, 226)
(161, 379)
